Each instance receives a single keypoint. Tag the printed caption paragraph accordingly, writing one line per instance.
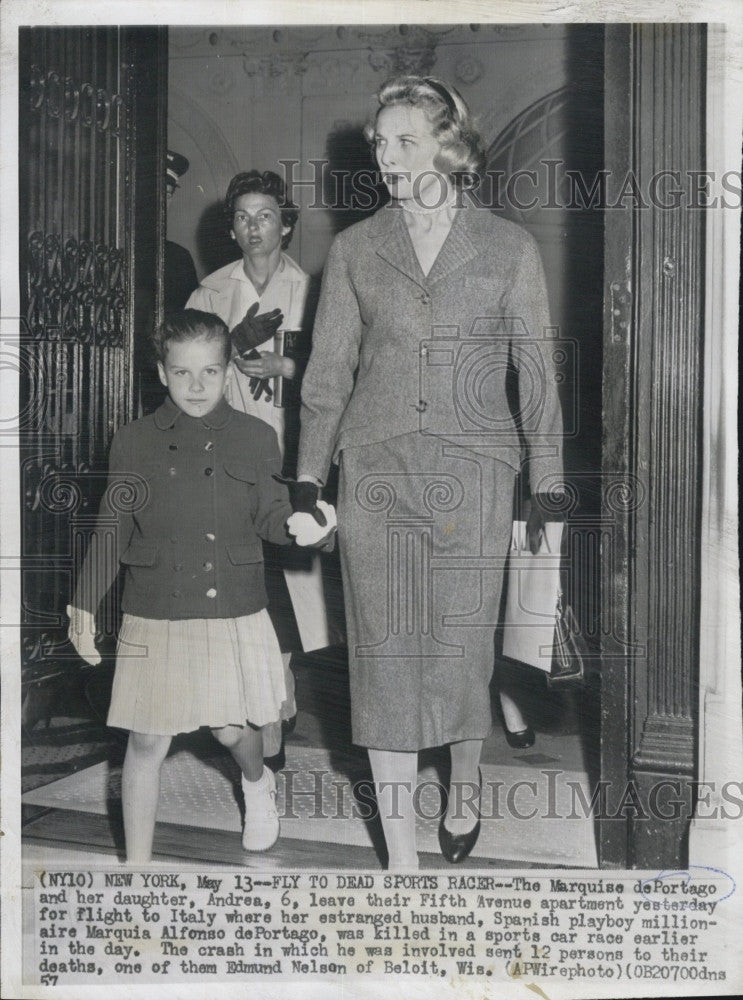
(96, 927)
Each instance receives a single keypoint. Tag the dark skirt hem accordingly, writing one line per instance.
(425, 745)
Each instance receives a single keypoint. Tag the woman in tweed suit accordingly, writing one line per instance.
(424, 307)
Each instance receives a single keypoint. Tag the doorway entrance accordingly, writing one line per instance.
(92, 231)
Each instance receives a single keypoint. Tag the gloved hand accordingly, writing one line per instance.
(304, 499)
(257, 385)
(253, 329)
(307, 529)
(81, 634)
(542, 509)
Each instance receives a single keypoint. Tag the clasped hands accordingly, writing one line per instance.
(260, 366)
(313, 522)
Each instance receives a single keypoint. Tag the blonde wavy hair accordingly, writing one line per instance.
(461, 153)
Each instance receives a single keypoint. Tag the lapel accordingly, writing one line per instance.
(393, 245)
(457, 250)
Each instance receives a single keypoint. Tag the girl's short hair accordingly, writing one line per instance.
(461, 153)
(269, 183)
(190, 324)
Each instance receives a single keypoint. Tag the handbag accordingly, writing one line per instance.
(539, 627)
(570, 650)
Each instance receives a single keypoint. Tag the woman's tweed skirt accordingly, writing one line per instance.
(424, 529)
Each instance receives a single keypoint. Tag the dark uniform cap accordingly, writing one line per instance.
(175, 167)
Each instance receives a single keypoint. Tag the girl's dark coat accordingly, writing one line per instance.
(187, 504)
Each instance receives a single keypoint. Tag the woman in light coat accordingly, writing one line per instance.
(424, 308)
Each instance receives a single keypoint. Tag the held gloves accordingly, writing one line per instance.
(252, 330)
(257, 385)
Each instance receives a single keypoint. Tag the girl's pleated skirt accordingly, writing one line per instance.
(175, 676)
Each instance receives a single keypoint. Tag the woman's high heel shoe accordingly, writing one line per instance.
(457, 846)
(520, 740)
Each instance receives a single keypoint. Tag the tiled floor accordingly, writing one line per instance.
(78, 739)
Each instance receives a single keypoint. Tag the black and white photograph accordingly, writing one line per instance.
(369, 566)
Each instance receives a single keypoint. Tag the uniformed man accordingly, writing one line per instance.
(180, 274)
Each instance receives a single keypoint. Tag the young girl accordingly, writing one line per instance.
(190, 495)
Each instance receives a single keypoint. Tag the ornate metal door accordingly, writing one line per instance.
(90, 206)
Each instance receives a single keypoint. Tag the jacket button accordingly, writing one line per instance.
(211, 592)
(208, 567)
(210, 536)
(208, 472)
(421, 406)
(171, 471)
(425, 298)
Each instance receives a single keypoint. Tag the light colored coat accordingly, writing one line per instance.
(229, 293)
(396, 351)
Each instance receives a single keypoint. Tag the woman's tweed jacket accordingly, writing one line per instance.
(396, 351)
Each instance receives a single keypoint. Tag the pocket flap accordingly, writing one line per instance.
(243, 471)
(241, 553)
(139, 555)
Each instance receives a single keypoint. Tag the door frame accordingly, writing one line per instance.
(652, 392)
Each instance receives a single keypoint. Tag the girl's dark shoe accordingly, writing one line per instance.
(521, 740)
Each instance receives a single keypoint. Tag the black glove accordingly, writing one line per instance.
(253, 329)
(542, 509)
(303, 498)
(257, 385)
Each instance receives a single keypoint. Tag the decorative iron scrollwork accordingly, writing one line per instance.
(76, 289)
(77, 142)
(71, 99)
(55, 489)
(74, 100)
